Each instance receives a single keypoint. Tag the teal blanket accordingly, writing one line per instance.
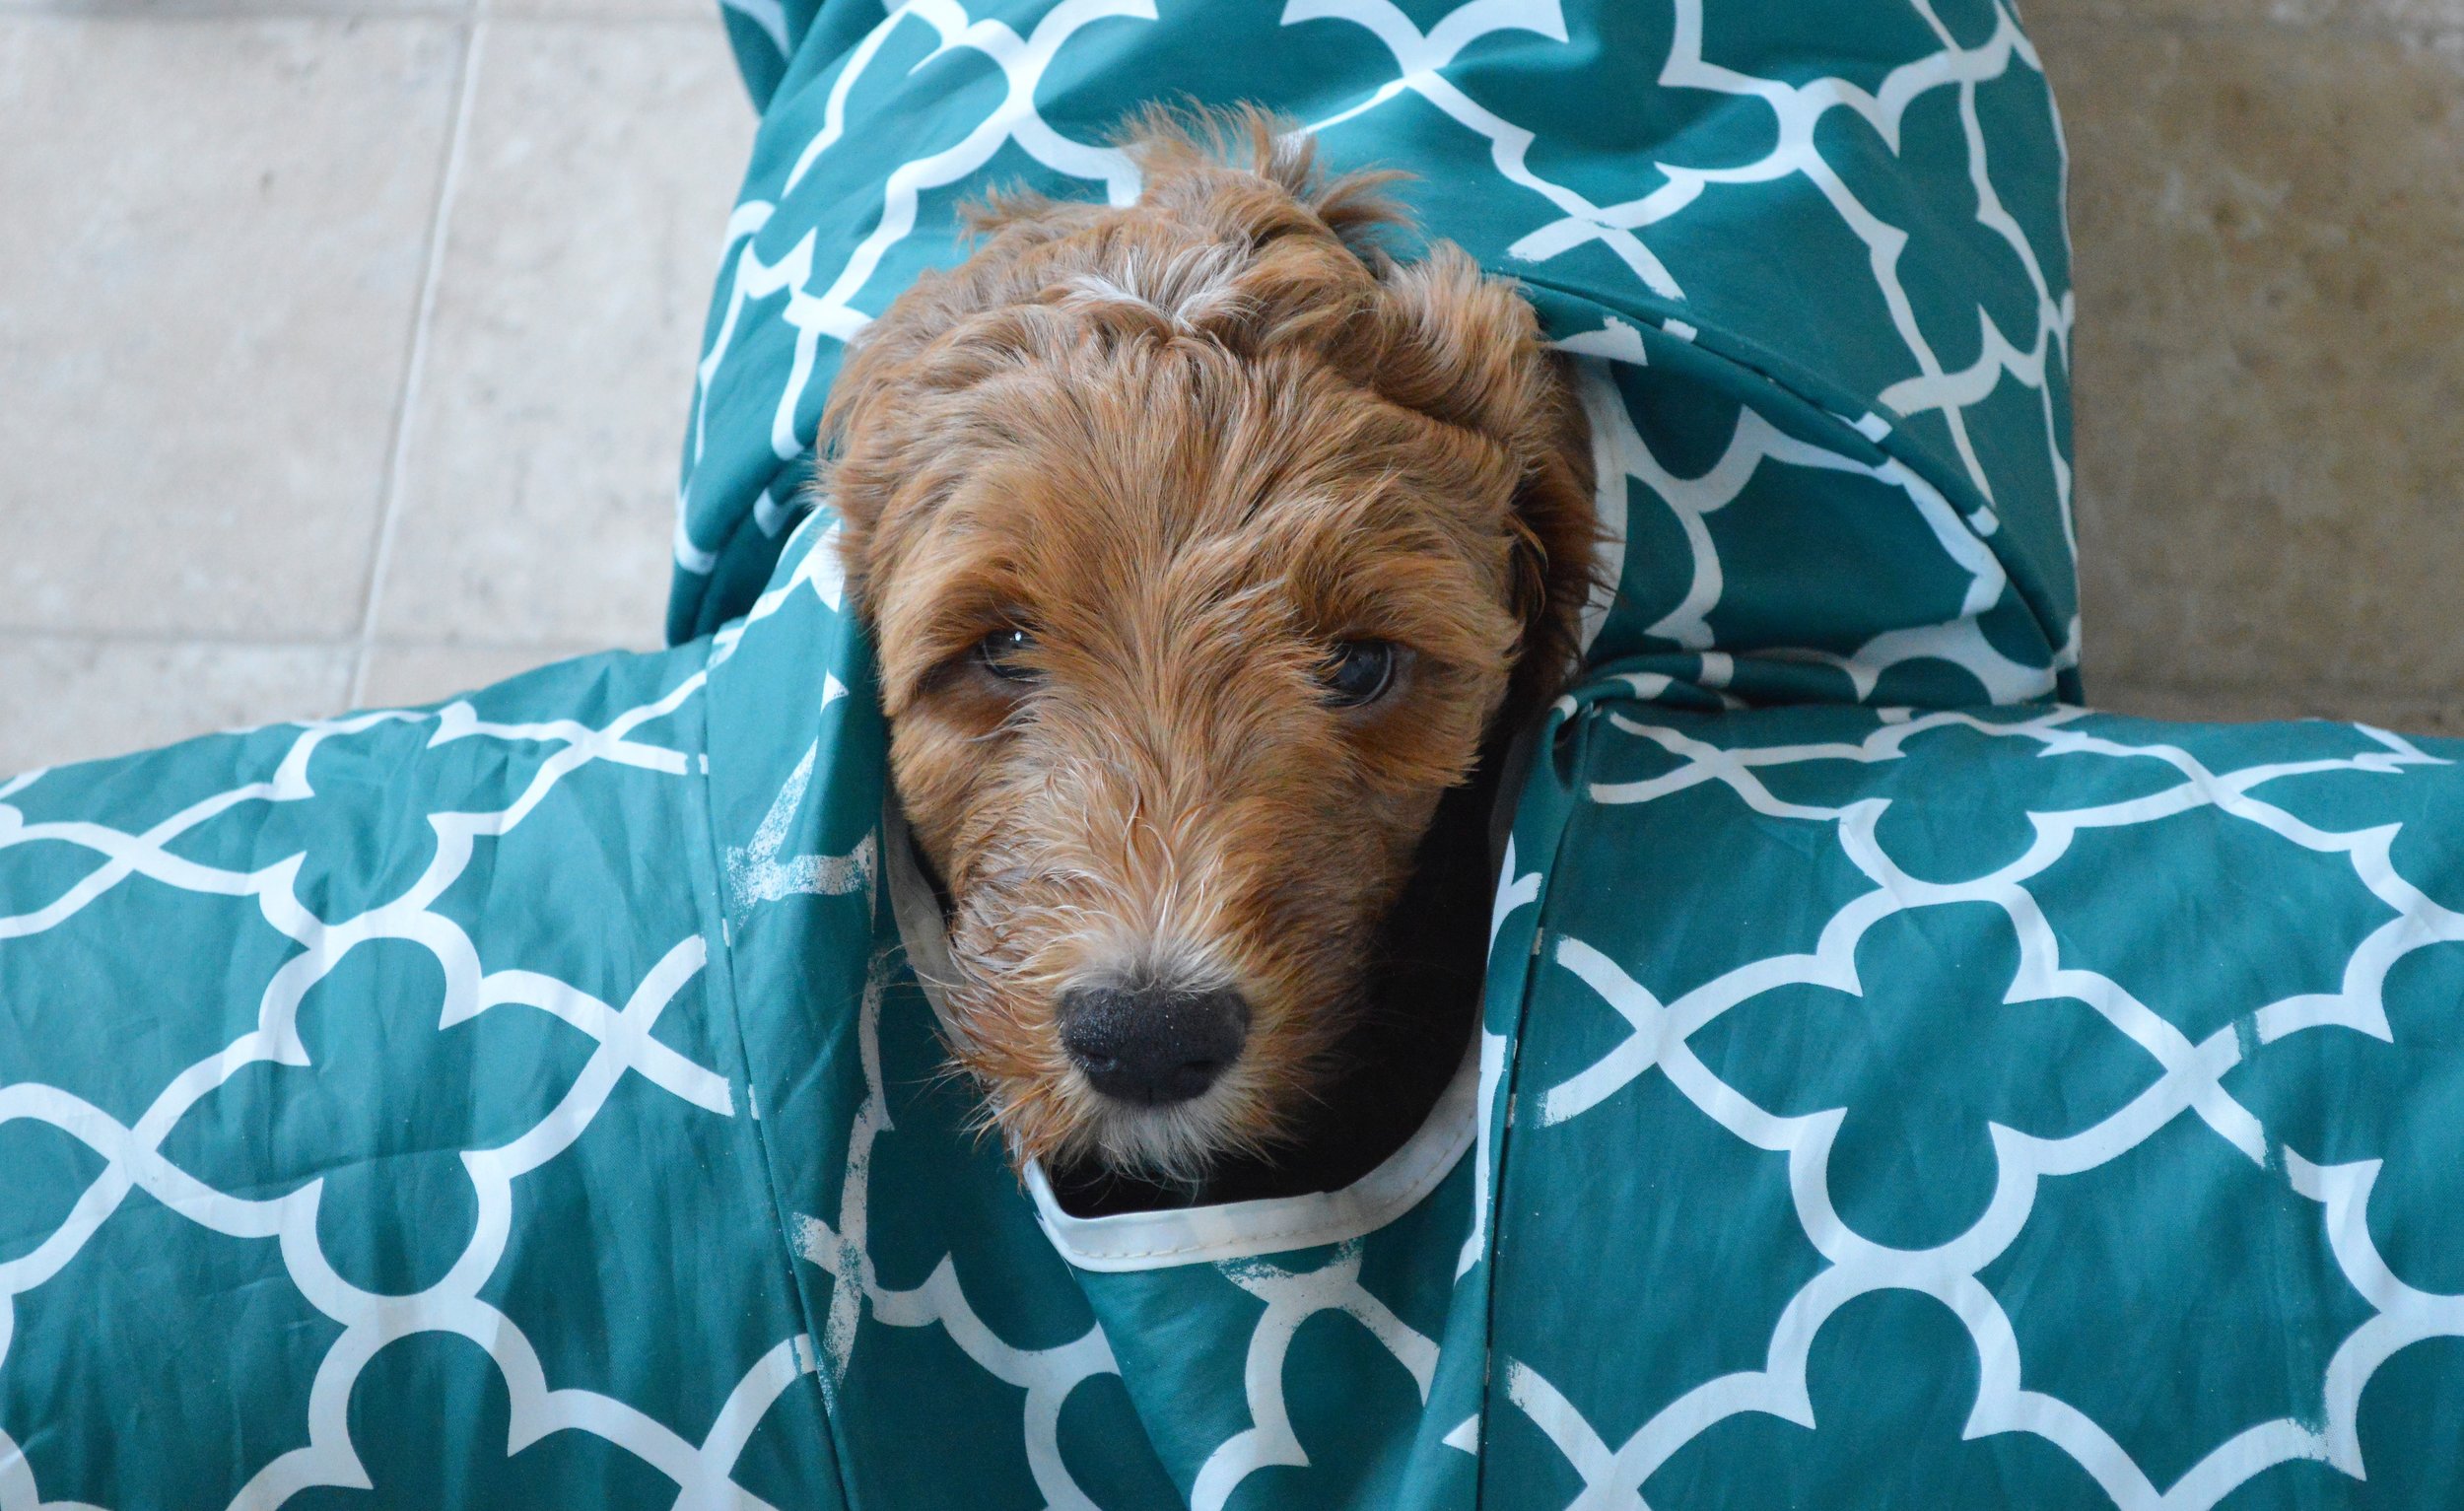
(1897, 1085)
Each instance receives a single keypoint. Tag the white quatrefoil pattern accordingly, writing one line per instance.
(1896, 1084)
(1811, 259)
(2010, 1107)
(374, 1128)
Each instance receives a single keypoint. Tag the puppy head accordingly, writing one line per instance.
(1203, 545)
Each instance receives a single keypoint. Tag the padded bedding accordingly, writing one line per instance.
(1897, 1083)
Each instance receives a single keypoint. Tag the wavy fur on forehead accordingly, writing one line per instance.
(1239, 242)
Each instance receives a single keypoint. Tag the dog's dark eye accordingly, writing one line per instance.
(1358, 673)
(1005, 653)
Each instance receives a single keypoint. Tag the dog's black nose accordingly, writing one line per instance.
(1152, 1045)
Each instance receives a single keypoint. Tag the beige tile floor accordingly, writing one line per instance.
(344, 346)
(2269, 202)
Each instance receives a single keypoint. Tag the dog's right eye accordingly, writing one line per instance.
(1358, 673)
(1005, 653)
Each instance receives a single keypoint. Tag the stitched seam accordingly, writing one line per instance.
(1415, 1184)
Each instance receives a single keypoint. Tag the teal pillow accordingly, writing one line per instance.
(1812, 257)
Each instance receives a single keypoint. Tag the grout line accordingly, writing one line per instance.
(2168, 681)
(544, 16)
(215, 639)
(524, 13)
(2239, 701)
(117, 10)
(415, 364)
(2041, 21)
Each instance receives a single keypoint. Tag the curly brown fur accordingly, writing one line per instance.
(1190, 445)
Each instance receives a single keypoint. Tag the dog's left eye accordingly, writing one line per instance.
(1359, 672)
(1005, 653)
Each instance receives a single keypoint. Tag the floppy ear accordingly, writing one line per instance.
(1465, 348)
(868, 442)
(890, 433)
